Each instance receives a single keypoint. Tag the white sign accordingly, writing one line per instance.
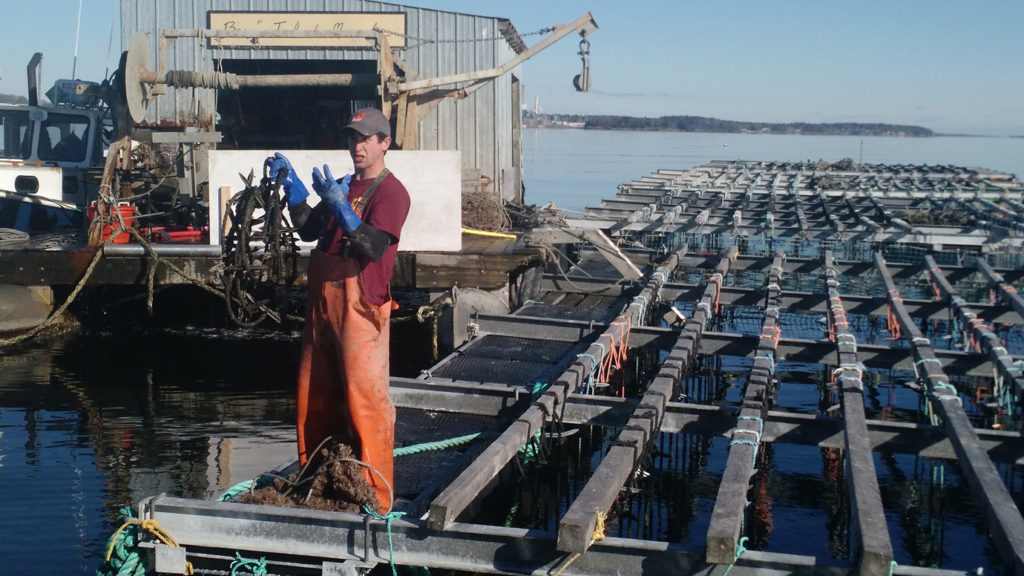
(432, 177)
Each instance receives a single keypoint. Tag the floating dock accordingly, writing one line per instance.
(669, 332)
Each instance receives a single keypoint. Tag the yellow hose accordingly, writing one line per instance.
(486, 233)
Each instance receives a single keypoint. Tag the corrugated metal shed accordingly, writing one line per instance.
(484, 126)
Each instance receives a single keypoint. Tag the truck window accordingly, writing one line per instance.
(66, 134)
(15, 135)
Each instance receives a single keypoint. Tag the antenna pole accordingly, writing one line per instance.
(78, 28)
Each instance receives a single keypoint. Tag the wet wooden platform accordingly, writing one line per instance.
(483, 262)
(805, 244)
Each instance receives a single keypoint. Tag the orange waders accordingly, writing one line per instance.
(344, 370)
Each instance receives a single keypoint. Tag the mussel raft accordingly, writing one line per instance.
(708, 356)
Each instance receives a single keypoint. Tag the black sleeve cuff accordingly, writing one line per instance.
(369, 242)
(309, 222)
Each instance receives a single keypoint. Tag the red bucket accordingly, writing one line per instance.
(127, 213)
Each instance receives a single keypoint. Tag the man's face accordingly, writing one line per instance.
(366, 151)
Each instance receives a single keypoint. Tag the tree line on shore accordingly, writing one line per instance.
(703, 124)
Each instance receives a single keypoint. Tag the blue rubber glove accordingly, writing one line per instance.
(335, 193)
(294, 190)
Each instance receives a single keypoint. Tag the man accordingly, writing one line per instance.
(344, 365)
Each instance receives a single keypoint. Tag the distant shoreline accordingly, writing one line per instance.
(935, 135)
(715, 125)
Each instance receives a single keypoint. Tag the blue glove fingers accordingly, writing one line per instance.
(318, 182)
(295, 191)
(282, 158)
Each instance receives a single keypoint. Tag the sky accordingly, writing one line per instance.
(949, 65)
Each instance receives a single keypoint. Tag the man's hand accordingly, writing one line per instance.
(294, 190)
(335, 193)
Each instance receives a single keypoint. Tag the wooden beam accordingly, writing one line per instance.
(725, 528)
(1004, 519)
(872, 540)
(474, 479)
(1007, 292)
(458, 495)
(984, 339)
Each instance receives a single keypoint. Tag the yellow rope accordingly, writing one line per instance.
(486, 233)
(599, 519)
(599, 527)
(154, 528)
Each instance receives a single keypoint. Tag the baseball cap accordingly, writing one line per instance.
(369, 121)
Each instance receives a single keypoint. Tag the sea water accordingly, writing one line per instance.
(576, 168)
(98, 420)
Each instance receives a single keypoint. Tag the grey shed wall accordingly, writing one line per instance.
(479, 126)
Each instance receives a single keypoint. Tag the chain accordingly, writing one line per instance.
(425, 41)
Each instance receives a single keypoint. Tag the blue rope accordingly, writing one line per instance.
(760, 423)
(386, 518)
(771, 359)
(593, 368)
(255, 567)
(755, 443)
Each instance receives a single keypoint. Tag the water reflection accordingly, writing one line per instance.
(96, 421)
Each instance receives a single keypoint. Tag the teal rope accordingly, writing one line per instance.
(755, 443)
(771, 359)
(538, 389)
(437, 445)
(511, 514)
(531, 448)
(740, 549)
(847, 339)
(759, 421)
(892, 567)
(744, 441)
(387, 518)
(124, 559)
(593, 368)
(237, 489)
(255, 567)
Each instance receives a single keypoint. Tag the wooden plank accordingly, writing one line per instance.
(872, 538)
(1006, 291)
(1004, 519)
(972, 322)
(457, 496)
(437, 270)
(64, 268)
(576, 529)
(811, 302)
(726, 524)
